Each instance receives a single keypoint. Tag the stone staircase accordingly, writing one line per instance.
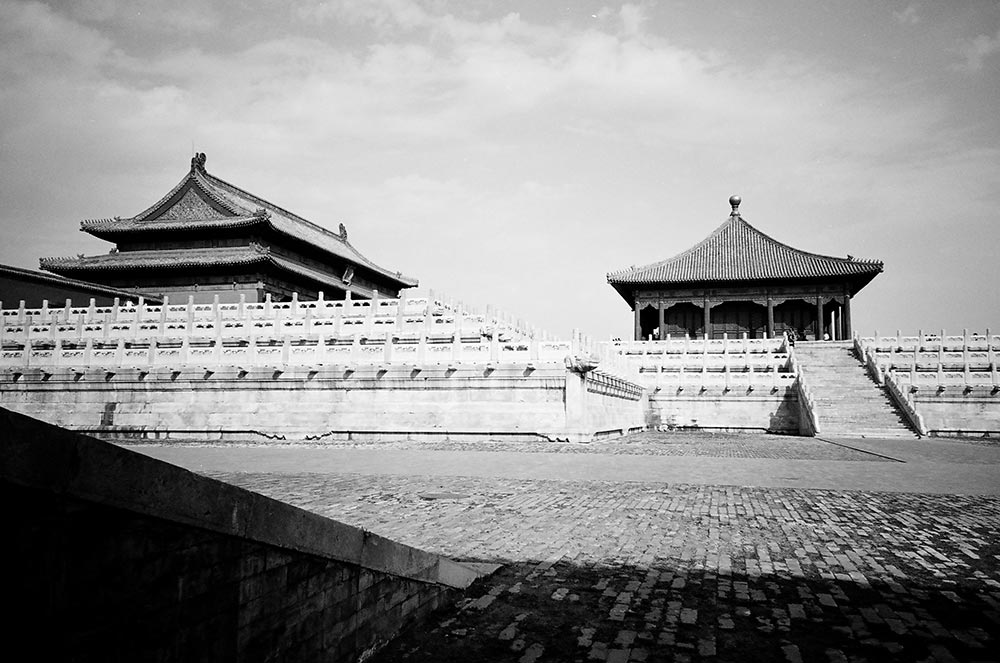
(848, 402)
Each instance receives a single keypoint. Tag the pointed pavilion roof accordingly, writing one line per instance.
(737, 252)
(201, 201)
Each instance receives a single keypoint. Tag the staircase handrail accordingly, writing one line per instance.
(866, 353)
(901, 396)
(808, 416)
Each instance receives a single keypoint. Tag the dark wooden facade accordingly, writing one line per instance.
(207, 238)
(40, 289)
(740, 281)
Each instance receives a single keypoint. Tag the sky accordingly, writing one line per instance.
(514, 153)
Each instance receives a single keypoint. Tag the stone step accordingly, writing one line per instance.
(848, 401)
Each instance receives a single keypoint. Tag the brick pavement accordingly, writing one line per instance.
(636, 570)
(703, 444)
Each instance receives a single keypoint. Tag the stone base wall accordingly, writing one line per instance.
(269, 405)
(774, 411)
(955, 411)
(116, 556)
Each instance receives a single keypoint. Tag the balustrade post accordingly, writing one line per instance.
(422, 348)
(388, 350)
(369, 329)
(21, 313)
(338, 313)
(355, 349)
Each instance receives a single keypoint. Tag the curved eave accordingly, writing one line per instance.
(137, 262)
(112, 230)
(857, 281)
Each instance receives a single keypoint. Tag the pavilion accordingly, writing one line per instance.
(740, 281)
(208, 238)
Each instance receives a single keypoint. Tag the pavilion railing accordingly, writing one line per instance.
(933, 360)
(729, 363)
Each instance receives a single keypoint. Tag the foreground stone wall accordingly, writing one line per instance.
(972, 411)
(774, 410)
(116, 556)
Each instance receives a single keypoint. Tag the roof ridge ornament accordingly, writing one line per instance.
(735, 202)
(198, 162)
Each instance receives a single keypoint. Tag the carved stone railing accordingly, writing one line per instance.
(412, 330)
(809, 423)
(288, 350)
(730, 363)
(900, 394)
(342, 318)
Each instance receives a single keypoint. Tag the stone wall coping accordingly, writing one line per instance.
(52, 459)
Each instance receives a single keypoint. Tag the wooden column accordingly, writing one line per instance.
(819, 318)
(638, 323)
(662, 332)
(848, 332)
(770, 317)
(708, 319)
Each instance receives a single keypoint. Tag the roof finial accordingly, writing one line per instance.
(735, 202)
(198, 161)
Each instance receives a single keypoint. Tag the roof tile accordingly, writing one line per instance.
(736, 251)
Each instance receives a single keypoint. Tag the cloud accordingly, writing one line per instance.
(484, 152)
(910, 15)
(978, 50)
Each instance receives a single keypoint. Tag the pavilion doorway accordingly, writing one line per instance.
(684, 319)
(649, 323)
(797, 317)
(737, 318)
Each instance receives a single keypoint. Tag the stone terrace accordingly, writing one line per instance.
(598, 568)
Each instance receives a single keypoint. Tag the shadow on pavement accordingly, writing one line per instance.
(568, 612)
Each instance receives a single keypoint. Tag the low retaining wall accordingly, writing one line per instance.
(973, 411)
(774, 410)
(599, 405)
(306, 403)
(117, 556)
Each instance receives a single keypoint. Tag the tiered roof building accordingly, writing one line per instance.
(740, 281)
(208, 238)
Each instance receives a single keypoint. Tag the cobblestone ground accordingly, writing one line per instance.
(717, 445)
(627, 571)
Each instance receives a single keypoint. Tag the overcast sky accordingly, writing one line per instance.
(513, 153)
